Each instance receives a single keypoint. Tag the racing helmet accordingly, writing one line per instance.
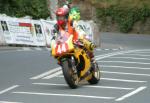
(61, 14)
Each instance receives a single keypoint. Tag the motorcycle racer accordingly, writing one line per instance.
(71, 48)
(67, 20)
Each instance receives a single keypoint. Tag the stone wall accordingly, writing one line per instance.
(109, 25)
(141, 27)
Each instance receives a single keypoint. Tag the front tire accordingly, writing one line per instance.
(70, 75)
(95, 74)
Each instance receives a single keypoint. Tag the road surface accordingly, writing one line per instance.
(31, 75)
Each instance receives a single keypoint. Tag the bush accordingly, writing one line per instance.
(124, 12)
(125, 17)
(19, 8)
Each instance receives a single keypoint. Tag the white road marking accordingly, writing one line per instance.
(104, 87)
(130, 58)
(53, 75)
(98, 49)
(26, 49)
(99, 57)
(138, 55)
(39, 49)
(112, 79)
(116, 49)
(123, 80)
(65, 95)
(143, 52)
(123, 73)
(107, 49)
(109, 87)
(9, 102)
(19, 50)
(60, 76)
(112, 66)
(123, 62)
(8, 89)
(131, 93)
(46, 73)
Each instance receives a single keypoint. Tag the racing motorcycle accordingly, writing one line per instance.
(74, 60)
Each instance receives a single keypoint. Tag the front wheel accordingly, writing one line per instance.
(70, 74)
(95, 74)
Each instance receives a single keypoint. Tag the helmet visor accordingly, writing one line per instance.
(61, 18)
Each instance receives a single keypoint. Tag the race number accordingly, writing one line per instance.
(61, 48)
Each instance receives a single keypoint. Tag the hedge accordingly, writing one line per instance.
(19, 8)
(123, 16)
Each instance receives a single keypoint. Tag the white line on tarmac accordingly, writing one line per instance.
(131, 93)
(141, 52)
(53, 75)
(26, 49)
(138, 55)
(66, 95)
(46, 73)
(98, 49)
(39, 49)
(104, 87)
(123, 73)
(123, 80)
(60, 76)
(120, 80)
(19, 50)
(123, 62)
(130, 58)
(8, 89)
(9, 102)
(98, 57)
(112, 66)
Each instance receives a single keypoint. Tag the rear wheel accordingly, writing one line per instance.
(95, 74)
(70, 74)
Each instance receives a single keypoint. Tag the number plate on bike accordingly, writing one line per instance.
(61, 48)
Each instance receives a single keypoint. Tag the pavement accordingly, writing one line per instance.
(9, 48)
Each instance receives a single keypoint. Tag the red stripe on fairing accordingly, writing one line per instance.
(25, 24)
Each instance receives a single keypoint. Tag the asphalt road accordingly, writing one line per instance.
(31, 75)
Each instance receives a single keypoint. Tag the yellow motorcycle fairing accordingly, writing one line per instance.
(72, 51)
(77, 52)
(80, 52)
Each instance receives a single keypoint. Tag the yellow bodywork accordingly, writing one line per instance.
(76, 52)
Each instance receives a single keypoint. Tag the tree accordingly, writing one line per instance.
(19, 8)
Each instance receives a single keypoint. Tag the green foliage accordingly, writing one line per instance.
(19, 8)
(125, 17)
